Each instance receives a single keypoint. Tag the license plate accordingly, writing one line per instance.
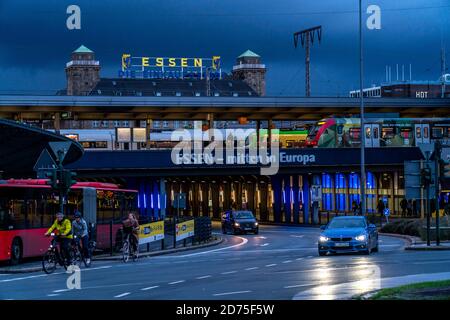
(342, 244)
(248, 228)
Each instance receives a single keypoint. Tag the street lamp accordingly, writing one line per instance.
(361, 101)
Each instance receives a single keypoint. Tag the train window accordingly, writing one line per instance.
(437, 132)
(418, 133)
(368, 132)
(387, 133)
(425, 132)
(375, 133)
(101, 144)
(405, 133)
(354, 133)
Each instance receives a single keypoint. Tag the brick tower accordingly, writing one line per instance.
(249, 69)
(83, 72)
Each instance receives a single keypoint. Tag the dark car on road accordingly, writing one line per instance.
(348, 234)
(239, 221)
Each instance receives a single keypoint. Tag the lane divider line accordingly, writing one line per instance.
(229, 272)
(176, 282)
(149, 288)
(252, 268)
(203, 277)
(122, 295)
(271, 265)
(229, 293)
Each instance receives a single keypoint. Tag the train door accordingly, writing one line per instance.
(422, 133)
(372, 132)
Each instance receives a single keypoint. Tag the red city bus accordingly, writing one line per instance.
(28, 209)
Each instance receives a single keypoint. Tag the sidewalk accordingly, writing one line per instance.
(36, 266)
(417, 244)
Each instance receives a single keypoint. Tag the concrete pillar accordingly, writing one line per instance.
(278, 197)
(57, 122)
(238, 191)
(215, 200)
(205, 199)
(226, 195)
(195, 198)
(251, 188)
(306, 197)
(263, 193)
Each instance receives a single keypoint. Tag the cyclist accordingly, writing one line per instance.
(63, 229)
(80, 230)
(131, 228)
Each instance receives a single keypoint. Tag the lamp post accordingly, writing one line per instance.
(361, 108)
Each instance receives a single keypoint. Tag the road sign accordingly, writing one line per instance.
(179, 201)
(412, 179)
(316, 193)
(61, 147)
(44, 161)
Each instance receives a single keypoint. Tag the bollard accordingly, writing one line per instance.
(162, 244)
(111, 236)
(148, 247)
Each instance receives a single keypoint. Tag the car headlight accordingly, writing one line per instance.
(256, 224)
(361, 237)
(236, 224)
(323, 239)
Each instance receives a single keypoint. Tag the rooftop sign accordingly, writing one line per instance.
(169, 67)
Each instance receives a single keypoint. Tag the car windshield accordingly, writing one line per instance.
(346, 223)
(243, 215)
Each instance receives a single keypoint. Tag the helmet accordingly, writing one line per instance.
(78, 214)
(59, 214)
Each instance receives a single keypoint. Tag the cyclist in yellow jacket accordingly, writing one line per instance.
(62, 227)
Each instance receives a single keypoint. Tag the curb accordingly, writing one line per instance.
(114, 258)
(430, 248)
(23, 270)
(168, 251)
(410, 239)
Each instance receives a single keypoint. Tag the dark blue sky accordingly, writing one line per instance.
(35, 43)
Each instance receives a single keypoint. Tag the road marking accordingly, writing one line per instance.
(24, 278)
(309, 257)
(149, 288)
(122, 295)
(271, 265)
(61, 290)
(298, 259)
(432, 262)
(229, 272)
(53, 295)
(287, 261)
(229, 293)
(261, 237)
(264, 245)
(97, 268)
(203, 277)
(252, 268)
(175, 282)
(297, 236)
(244, 241)
(298, 285)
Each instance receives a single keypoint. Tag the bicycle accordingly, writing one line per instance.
(52, 257)
(128, 249)
(78, 252)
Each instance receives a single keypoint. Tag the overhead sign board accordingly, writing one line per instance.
(169, 67)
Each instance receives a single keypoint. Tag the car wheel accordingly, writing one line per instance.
(321, 253)
(366, 252)
(16, 252)
(375, 249)
(256, 231)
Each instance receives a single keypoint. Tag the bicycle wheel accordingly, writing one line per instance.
(75, 256)
(135, 254)
(49, 262)
(126, 251)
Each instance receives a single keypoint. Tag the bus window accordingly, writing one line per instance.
(405, 133)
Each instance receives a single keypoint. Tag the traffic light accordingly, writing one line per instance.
(446, 171)
(69, 178)
(425, 177)
(51, 174)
